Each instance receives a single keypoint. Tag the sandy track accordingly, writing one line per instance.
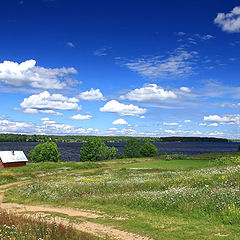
(96, 229)
(68, 211)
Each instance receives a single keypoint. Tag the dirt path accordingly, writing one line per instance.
(96, 229)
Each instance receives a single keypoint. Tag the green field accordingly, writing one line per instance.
(161, 199)
(173, 164)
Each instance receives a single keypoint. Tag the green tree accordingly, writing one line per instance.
(132, 149)
(96, 150)
(45, 152)
(106, 153)
(148, 150)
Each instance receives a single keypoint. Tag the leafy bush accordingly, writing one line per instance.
(132, 149)
(96, 150)
(112, 152)
(148, 150)
(45, 152)
(106, 153)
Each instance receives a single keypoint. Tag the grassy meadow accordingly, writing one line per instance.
(168, 197)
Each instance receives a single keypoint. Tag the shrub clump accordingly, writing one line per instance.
(96, 150)
(132, 149)
(45, 152)
(148, 150)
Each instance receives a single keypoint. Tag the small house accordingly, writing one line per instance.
(11, 159)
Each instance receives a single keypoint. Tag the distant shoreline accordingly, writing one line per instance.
(78, 138)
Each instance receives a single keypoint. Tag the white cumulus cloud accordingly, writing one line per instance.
(81, 117)
(121, 109)
(7, 126)
(120, 121)
(185, 89)
(92, 95)
(229, 22)
(46, 103)
(149, 92)
(27, 73)
(213, 125)
(230, 119)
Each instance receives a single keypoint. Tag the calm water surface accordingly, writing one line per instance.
(70, 151)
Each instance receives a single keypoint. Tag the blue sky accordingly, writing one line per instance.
(136, 67)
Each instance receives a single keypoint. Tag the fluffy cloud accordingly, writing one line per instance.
(47, 103)
(187, 121)
(178, 64)
(92, 95)
(121, 109)
(233, 119)
(51, 112)
(213, 125)
(129, 132)
(27, 73)
(35, 111)
(30, 111)
(149, 92)
(185, 89)
(50, 127)
(7, 126)
(47, 121)
(81, 117)
(120, 121)
(229, 22)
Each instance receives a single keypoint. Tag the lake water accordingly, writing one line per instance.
(70, 151)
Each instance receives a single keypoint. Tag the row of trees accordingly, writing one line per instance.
(94, 150)
(55, 138)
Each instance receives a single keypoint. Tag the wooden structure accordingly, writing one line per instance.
(11, 159)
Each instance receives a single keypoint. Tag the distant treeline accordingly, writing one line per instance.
(45, 138)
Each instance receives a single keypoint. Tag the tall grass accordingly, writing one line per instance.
(18, 227)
